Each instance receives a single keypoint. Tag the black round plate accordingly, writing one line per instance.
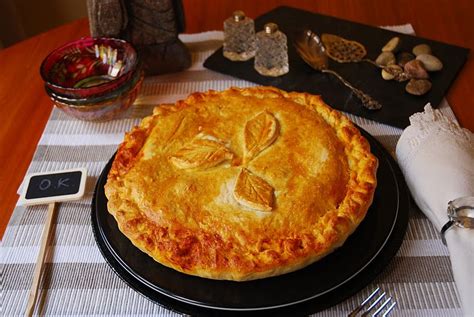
(320, 285)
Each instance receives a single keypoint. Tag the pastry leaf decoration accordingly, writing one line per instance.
(260, 132)
(250, 190)
(253, 191)
(201, 154)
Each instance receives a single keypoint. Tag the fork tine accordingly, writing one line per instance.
(389, 309)
(370, 296)
(361, 305)
(374, 304)
(382, 306)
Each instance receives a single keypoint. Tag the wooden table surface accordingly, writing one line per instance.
(25, 107)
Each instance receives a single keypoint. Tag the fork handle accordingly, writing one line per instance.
(367, 101)
(355, 312)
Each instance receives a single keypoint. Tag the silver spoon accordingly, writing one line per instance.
(310, 48)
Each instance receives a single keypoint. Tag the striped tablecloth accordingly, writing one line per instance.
(77, 280)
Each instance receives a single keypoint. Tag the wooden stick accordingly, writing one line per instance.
(40, 261)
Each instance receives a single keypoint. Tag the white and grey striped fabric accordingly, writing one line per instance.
(77, 281)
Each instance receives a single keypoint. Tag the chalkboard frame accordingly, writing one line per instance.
(55, 198)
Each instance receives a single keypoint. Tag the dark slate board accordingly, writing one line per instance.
(397, 104)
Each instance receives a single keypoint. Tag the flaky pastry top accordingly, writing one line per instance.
(241, 184)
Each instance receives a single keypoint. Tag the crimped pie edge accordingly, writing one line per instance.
(351, 211)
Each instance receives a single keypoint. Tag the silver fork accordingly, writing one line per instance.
(384, 309)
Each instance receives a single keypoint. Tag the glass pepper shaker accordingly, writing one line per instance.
(271, 58)
(239, 37)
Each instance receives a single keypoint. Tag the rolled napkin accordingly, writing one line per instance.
(436, 157)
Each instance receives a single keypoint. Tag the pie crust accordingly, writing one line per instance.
(241, 184)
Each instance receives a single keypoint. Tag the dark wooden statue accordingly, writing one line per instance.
(152, 26)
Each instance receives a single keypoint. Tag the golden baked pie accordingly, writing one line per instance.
(241, 184)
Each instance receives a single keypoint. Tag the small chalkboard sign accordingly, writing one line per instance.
(49, 188)
(43, 188)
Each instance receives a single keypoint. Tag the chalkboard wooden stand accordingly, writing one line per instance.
(40, 261)
(49, 188)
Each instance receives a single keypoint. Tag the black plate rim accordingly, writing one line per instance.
(173, 297)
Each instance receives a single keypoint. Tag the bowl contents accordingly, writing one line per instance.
(89, 67)
(93, 79)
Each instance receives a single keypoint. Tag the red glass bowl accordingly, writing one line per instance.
(103, 108)
(89, 67)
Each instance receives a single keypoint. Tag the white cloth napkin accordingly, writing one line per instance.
(436, 157)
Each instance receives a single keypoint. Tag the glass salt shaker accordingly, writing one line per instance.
(271, 58)
(239, 37)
